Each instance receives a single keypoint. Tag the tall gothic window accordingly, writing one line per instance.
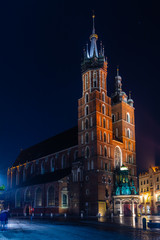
(38, 197)
(128, 132)
(86, 81)
(103, 109)
(104, 122)
(103, 97)
(51, 196)
(87, 138)
(103, 81)
(64, 197)
(86, 110)
(117, 157)
(95, 79)
(87, 152)
(113, 118)
(86, 98)
(82, 125)
(87, 123)
(128, 117)
(105, 151)
(105, 137)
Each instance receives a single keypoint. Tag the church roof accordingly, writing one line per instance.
(54, 144)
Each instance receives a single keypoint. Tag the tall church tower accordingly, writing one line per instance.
(95, 129)
(106, 137)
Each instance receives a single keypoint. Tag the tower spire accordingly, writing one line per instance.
(93, 17)
(93, 39)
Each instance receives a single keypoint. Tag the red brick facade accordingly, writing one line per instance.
(81, 176)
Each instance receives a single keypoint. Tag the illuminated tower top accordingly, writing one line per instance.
(92, 58)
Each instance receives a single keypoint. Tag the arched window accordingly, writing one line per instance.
(95, 79)
(42, 168)
(117, 157)
(63, 161)
(128, 132)
(101, 135)
(86, 123)
(28, 196)
(18, 199)
(86, 81)
(105, 137)
(86, 138)
(103, 97)
(51, 196)
(107, 124)
(82, 139)
(103, 109)
(104, 122)
(108, 138)
(52, 164)
(117, 132)
(86, 110)
(128, 117)
(82, 125)
(38, 198)
(100, 121)
(64, 197)
(87, 152)
(105, 151)
(113, 118)
(103, 82)
(86, 98)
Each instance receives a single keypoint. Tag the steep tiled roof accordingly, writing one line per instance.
(54, 144)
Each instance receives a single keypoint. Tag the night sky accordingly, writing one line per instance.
(41, 46)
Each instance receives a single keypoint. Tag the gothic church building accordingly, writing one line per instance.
(74, 172)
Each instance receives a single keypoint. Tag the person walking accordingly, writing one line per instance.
(3, 217)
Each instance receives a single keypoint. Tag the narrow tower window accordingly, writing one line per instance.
(103, 97)
(103, 109)
(86, 81)
(95, 79)
(128, 117)
(86, 98)
(86, 112)
(86, 123)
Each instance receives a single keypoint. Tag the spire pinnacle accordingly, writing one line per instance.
(129, 94)
(93, 17)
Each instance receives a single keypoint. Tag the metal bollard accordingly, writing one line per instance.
(65, 215)
(144, 223)
(81, 215)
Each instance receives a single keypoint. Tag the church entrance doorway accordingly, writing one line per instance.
(127, 209)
